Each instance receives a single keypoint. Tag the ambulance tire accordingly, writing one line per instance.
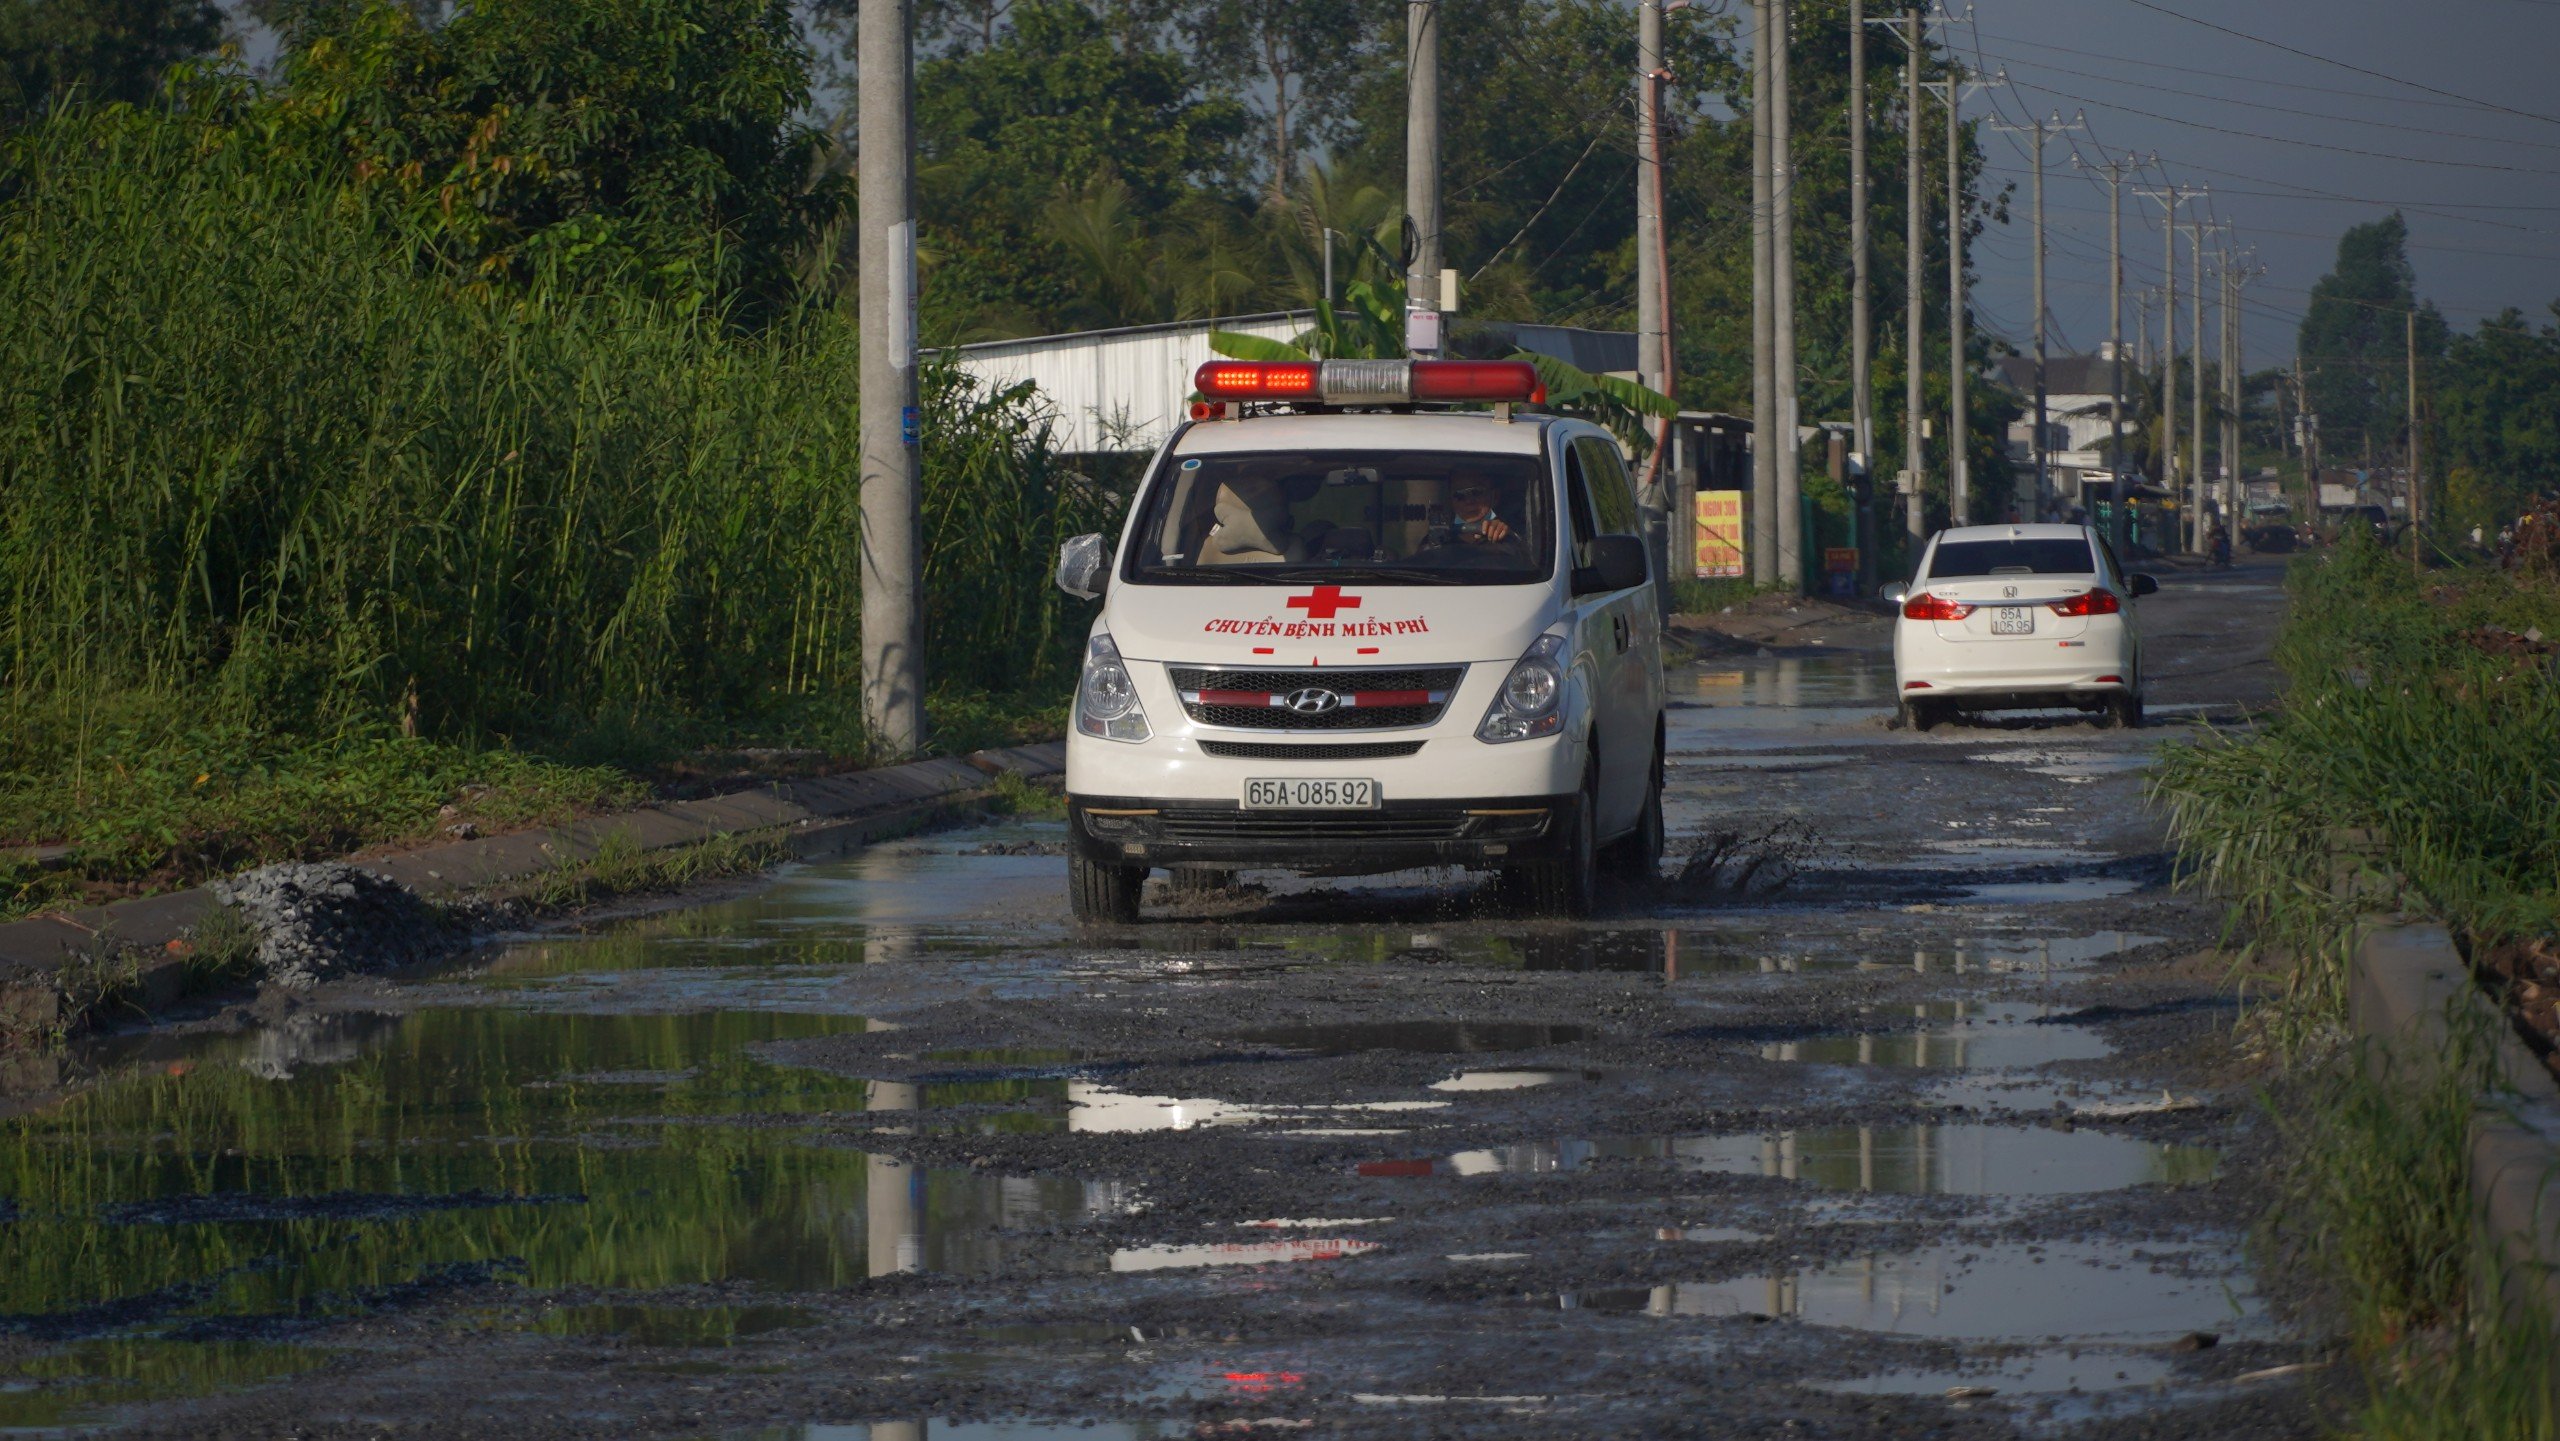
(1637, 856)
(1563, 888)
(1100, 894)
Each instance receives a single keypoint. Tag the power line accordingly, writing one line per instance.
(2195, 70)
(2288, 140)
(2343, 65)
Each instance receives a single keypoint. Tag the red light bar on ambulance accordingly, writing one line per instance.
(1371, 382)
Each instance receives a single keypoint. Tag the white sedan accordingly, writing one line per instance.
(2010, 617)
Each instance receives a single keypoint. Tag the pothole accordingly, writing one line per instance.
(1957, 1035)
(652, 1325)
(2052, 893)
(1510, 1080)
(1170, 1257)
(2013, 1291)
(1961, 1159)
(1432, 1037)
(2037, 1373)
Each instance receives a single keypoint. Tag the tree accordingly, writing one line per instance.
(2354, 344)
(108, 50)
(1053, 108)
(1305, 53)
(649, 141)
(2495, 403)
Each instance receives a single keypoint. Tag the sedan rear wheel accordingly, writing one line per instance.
(1919, 715)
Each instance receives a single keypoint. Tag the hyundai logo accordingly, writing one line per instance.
(1314, 700)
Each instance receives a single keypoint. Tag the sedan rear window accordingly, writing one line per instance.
(1957, 558)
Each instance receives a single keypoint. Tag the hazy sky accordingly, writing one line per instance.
(2294, 149)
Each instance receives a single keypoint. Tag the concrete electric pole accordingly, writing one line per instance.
(2170, 198)
(892, 575)
(2043, 478)
(2119, 488)
(1782, 253)
(1959, 361)
(2196, 482)
(1423, 301)
(1915, 523)
(1862, 346)
(1764, 384)
(2417, 491)
(1650, 301)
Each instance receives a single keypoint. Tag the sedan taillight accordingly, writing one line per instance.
(2100, 601)
(1934, 607)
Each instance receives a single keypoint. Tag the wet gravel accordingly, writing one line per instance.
(1948, 1136)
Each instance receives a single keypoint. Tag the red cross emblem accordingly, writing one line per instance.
(1323, 601)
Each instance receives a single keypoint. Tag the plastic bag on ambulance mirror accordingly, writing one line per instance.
(1084, 567)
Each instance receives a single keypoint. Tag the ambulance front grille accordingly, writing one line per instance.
(1368, 699)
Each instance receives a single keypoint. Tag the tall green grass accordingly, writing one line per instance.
(273, 473)
(2416, 763)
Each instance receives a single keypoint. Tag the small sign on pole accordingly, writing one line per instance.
(1840, 570)
(1719, 521)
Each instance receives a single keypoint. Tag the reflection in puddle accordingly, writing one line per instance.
(2038, 1373)
(2053, 893)
(2080, 767)
(1236, 1253)
(1927, 1160)
(1708, 1234)
(1509, 1080)
(673, 1325)
(1433, 1037)
(1966, 1036)
(974, 1431)
(2034, 956)
(71, 1384)
(311, 1193)
(2061, 1291)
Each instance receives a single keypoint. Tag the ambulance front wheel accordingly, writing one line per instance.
(1103, 894)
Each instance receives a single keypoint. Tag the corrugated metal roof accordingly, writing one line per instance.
(1118, 390)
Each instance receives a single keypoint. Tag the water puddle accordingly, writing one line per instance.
(673, 1325)
(2061, 1291)
(1955, 1035)
(2080, 767)
(1236, 1253)
(2053, 893)
(74, 1384)
(617, 1152)
(2037, 1373)
(2017, 956)
(1509, 1080)
(1431, 1037)
(1709, 1235)
(1961, 1159)
(933, 1430)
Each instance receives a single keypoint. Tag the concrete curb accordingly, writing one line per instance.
(2409, 988)
(821, 816)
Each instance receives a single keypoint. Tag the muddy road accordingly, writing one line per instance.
(1910, 1108)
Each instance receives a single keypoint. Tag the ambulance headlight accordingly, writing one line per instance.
(1106, 698)
(1530, 703)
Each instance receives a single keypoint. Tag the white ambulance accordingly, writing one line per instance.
(1352, 627)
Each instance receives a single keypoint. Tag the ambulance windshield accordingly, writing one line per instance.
(1397, 516)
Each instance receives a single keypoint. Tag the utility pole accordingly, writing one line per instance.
(2198, 484)
(2417, 492)
(1862, 401)
(1422, 298)
(1764, 383)
(892, 570)
(2119, 500)
(1959, 459)
(2041, 129)
(1782, 251)
(1650, 301)
(1915, 524)
(2170, 198)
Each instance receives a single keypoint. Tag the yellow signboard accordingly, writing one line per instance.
(1719, 533)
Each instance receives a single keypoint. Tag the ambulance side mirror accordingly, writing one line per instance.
(1084, 567)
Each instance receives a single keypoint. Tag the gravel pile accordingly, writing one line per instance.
(318, 920)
